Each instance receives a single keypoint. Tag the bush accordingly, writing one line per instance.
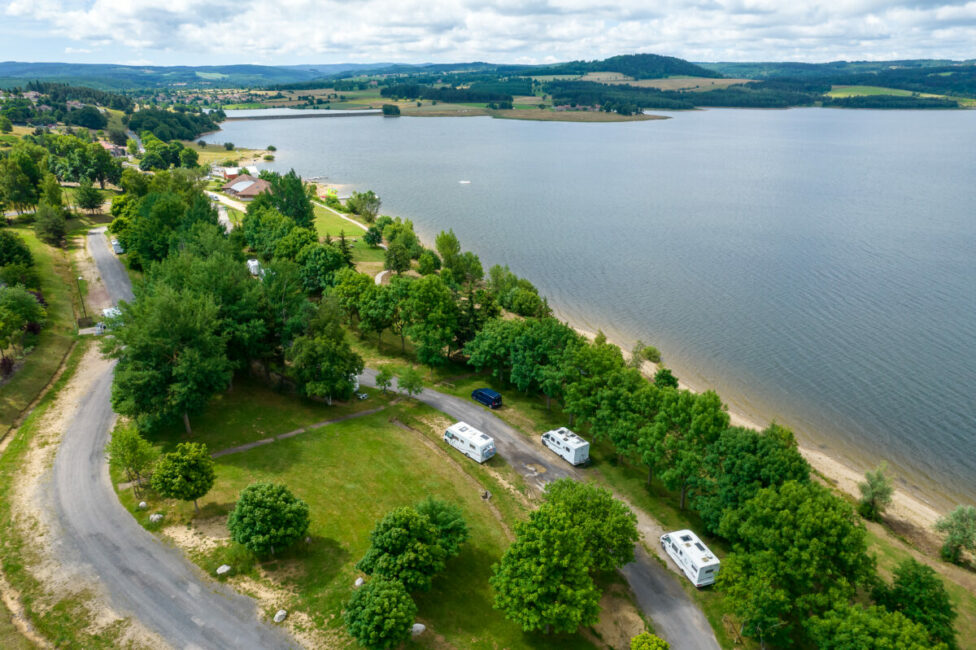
(50, 226)
(229, 146)
(271, 147)
(268, 157)
(268, 517)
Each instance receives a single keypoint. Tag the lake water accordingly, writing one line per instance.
(814, 266)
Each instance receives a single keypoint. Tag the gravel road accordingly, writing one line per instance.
(144, 578)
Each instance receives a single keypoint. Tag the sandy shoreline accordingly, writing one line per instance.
(905, 506)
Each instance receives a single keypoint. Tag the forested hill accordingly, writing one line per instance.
(637, 66)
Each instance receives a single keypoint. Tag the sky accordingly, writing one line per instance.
(283, 32)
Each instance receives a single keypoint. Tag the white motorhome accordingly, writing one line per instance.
(692, 556)
(567, 445)
(470, 442)
(254, 268)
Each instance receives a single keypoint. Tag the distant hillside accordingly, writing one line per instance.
(766, 69)
(638, 66)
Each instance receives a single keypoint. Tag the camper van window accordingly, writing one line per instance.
(685, 538)
(700, 547)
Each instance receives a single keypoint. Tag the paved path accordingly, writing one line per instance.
(144, 578)
(662, 599)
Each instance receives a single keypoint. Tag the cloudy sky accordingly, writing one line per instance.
(204, 32)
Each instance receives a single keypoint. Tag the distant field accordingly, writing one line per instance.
(697, 84)
(244, 106)
(861, 91)
(605, 77)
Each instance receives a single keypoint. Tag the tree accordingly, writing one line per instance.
(19, 309)
(189, 158)
(642, 352)
(851, 627)
(13, 250)
(799, 550)
(290, 195)
(449, 521)
(685, 426)
(608, 527)
(410, 381)
(384, 378)
(186, 474)
(428, 263)
(380, 614)
(51, 192)
(397, 258)
(664, 378)
(448, 247)
(322, 361)
(20, 177)
(432, 314)
(648, 641)
(404, 546)
(87, 197)
(5, 125)
(319, 263)
(50, 224)
(133, 453)
(742, 462)
(542, 582)
(876, 491)
(267, 518)
(920, 595)
(959, 527)
(365, 204)
(373, 237)
(172, 356)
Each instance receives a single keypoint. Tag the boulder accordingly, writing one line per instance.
(359, 583)
(155, 517)
(418, 629)
(222, 569)
(143, 505)
(280, 615)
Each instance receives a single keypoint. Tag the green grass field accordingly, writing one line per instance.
(861, 91)
(329, 223)
(55, 339)
(351, 474)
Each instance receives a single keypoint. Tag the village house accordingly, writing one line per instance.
(246, 187)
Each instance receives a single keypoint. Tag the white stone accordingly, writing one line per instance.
(280, 616)
(418, 629)
(359, 582)
(155, 518)
(222, 569)
(143, 505)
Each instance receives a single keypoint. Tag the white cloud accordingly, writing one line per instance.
(512, 30)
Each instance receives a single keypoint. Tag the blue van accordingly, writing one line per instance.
(488, 397)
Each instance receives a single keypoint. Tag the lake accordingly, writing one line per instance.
(814, 266)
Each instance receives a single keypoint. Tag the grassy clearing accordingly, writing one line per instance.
(215, 153)
(351, 474)
(53, 343)
(64, 622)
(861, 91)
(329, 223)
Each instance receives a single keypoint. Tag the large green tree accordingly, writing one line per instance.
(919, 594)
(542, 582)
(608, 527)
(959, 528)
(799, 551)
(452, 530)
(267, 518)
(404, 546)
(432, 314)
(742, 462)
(380, 614)
(13, 249)
(851, 627)
(322, 361)
(186, 474)
(172, 356)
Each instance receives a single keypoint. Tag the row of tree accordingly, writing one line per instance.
(22, 310)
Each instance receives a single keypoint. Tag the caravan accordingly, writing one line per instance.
(569, 446)
(470, 442)
(699, 564)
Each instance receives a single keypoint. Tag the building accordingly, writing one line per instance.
(114, 149)
(246, 187)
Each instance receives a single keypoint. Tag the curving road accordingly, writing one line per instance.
(144, 579)
(676, 618)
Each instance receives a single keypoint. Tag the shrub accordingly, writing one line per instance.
(380, 614)
(268, 517)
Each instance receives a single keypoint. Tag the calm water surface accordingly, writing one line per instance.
(813, 266)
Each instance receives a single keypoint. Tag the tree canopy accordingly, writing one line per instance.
(267, 518)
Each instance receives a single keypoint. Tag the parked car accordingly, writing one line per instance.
(488, 397)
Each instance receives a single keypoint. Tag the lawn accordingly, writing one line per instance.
(56, 338)
(329, 223)
(860, 91)
(215, 153)
(351, 474)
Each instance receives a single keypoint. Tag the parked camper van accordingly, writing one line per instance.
(699, 564)
(254, 268)
(488, 397)
(567, 445)
(470, 442)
